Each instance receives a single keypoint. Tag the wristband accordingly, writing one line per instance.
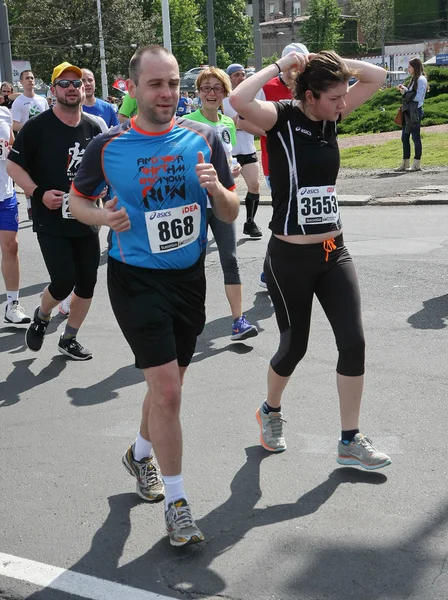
(278, 66)
(38, 193)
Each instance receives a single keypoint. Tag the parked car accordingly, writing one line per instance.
(192, 74)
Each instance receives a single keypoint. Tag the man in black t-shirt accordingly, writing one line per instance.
(43, 161)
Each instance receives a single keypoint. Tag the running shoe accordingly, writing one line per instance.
(362, 453)
(242, 329)
(263, 283)
(72, 348)
(271, 430)
(251, 228)
(15, 314)
(64, 306)
(34, 336)
(181, 528)
(149, 484)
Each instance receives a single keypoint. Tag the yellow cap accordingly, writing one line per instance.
(65, 66)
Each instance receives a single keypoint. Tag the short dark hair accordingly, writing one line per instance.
(322, 72)
(23, 73)
(135, 62)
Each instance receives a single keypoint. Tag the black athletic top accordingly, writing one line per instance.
(51, 152)
(303, 167)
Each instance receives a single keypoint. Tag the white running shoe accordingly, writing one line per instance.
(15, 314)
(64, 306)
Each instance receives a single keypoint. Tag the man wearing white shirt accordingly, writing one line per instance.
(246, 155)
(25, 106)
(9, 226)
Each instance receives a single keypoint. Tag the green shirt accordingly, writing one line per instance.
(128, 107)
(225, 128)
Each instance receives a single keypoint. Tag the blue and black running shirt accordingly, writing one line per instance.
(154, 178)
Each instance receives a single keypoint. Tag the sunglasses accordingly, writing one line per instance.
(218, 89)
(65, 83)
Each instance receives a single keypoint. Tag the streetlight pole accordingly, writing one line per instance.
(166, 25)
(257, 35)
(5, 45)
(211, 35)
(104, 86)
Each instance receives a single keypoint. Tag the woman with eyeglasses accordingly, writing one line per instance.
(413, 97)
(213, 86)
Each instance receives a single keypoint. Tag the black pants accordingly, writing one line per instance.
(294, 274)
(416, 138)
(71, 263)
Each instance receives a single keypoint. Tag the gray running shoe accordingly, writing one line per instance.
(271, 430)
(362, 453)
(181, 528)
(149, 484)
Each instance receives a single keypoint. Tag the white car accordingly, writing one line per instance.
(192, 74)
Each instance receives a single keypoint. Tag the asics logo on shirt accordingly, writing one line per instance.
(305, 131)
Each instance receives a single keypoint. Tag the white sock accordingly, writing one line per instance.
(28, 202)
(174, 488)
(12, 297)
(142, 448)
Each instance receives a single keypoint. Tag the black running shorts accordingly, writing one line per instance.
(160, 312)
(246, 159)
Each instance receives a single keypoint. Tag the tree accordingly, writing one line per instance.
(322, 31)
(375, 19)
(187, 38)
(233, 31)
(47, 32)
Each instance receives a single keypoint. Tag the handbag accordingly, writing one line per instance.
(399, 117)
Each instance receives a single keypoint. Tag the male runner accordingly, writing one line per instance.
(24, 107)
(9, 226)
(96, 106)
(156, 260)
(43, 161)
(245, 153)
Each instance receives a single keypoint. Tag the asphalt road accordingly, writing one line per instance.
(293, 526)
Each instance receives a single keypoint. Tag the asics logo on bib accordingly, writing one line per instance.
(160, 215)
(304, 191)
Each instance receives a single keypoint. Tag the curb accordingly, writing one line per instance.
(363, 200)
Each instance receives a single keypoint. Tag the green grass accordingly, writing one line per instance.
(388, 155)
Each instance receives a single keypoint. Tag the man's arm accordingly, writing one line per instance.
(225, 202)
(17, 125)
(86, 211)
(21, 177)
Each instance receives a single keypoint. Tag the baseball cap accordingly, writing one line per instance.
(233, 68)
(299, 48)
(65, 66)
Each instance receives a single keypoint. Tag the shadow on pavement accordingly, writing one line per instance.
(434, 314)
(262, 309)
(106, 390)
(30, 290)
(189, 570)
(22, 379)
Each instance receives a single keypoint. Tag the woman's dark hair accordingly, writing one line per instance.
(323, 72)
(418, 70)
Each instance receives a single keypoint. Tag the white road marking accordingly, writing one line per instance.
(86, 586)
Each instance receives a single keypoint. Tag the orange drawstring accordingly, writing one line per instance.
(329, 246)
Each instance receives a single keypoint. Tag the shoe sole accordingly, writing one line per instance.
(25, 321)
(256, 235)
(262, 442)
(263, 285)
(193, 540)
(158, 498)
(63, 312)
(357, 463)
(244, 336)
(65, 353)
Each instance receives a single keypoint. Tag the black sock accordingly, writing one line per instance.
(348, 436)
(267, 409)
(251, 202)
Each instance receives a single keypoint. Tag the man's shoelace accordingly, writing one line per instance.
(367, 443)
(148, 474)
(181, 516)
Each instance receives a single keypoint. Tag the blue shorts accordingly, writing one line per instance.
(9, 214)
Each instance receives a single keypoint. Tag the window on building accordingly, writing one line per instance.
(297, 9)
(271, 8)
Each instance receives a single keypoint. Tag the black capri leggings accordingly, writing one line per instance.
(294, 273)
(71, 263)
